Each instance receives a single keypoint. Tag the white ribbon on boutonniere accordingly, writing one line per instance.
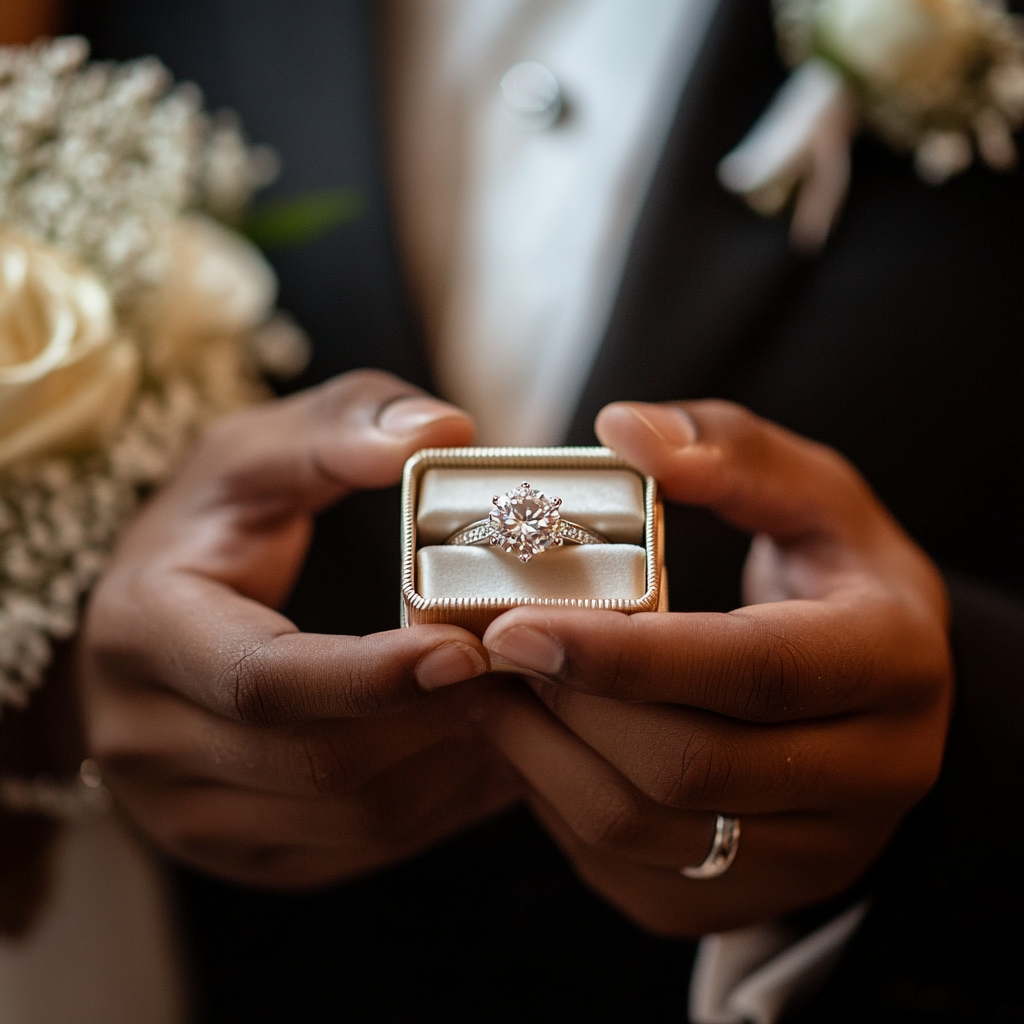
(938, 79)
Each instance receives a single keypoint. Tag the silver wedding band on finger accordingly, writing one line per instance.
(722, 853)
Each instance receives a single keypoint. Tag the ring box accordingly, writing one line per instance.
(447, 489)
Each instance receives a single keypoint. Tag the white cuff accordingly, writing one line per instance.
(750, 976)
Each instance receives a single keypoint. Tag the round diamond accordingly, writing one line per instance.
(524, 522)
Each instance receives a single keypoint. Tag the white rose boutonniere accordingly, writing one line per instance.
(939, 79)
(130, 315)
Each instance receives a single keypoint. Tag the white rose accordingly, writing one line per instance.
(66, 377)
(885, 42)
(217, 287)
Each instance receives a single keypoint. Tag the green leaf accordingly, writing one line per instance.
(285, 223)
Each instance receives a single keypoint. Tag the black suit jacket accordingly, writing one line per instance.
(902, 345)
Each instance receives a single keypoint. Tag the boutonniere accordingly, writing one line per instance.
(131, 312)
(939, 80)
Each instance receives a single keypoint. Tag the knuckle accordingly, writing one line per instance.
(363, 696)
(623, 665)
(251, 683)
(353, 389)
(610, 819)
(107, 643)
(927, 679)
(228, 433)
(700, 775)
(777, 674)
(726, 412)
(743, 430)
(559, 700)
(633, 665)
(102, 652)
(764, 679)
(323, 763)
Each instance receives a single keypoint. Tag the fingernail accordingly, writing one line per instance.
(407, 415)
(526, 648)
(452, 663)
(671, 424)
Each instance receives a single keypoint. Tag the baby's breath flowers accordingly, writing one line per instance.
(130, 315)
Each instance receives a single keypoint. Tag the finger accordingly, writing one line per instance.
(267, 840)
(766, 480)
(695, 761)
(602, 808)
(755, 474)
(783, 863)
(242, 660)
(603, 814)
(387, 811)
(240, 509)
(306, 451)
(459, 776)
(772, 662)
(159, 738)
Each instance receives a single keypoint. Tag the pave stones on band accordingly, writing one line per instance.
(477, 533)
(576, 534)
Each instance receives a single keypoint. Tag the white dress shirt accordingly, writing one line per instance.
(515, 238)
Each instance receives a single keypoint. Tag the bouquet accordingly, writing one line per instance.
(131, 313)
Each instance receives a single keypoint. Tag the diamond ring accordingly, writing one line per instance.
(525, 522)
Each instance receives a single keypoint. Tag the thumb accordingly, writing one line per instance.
(304, 452)
(753, 473)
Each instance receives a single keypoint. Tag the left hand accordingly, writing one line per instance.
(817, 713)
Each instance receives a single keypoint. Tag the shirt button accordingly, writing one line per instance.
(532, 95)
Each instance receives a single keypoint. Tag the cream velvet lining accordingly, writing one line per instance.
(608, 501)
(594, 571)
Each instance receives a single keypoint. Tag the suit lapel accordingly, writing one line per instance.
(703, 270)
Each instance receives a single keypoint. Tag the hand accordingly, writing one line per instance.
(816, 713)
(242, 746)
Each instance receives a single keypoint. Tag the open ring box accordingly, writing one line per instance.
(447, 489)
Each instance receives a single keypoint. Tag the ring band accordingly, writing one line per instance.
(525, 522)
(722, 853)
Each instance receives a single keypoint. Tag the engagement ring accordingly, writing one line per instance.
(525, 522)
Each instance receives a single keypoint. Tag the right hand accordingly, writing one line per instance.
(239, 744)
